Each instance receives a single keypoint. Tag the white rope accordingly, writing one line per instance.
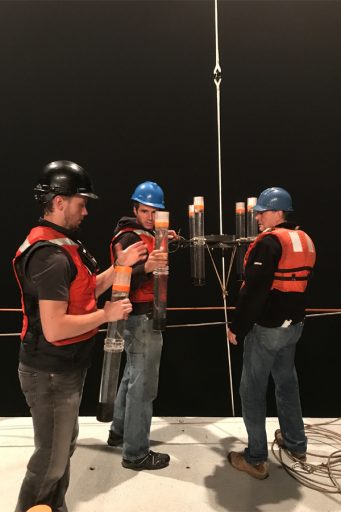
(321, 475)
(323, 314)
(217, 80)
(204, 324)
(5, 334)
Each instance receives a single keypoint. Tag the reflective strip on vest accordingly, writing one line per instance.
(58, 241)
(296, 262)
(297, 244)
(296, 241)
(138, 232)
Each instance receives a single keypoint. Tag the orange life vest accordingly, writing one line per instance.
(82, 289)
(145, 292)
(297, 260)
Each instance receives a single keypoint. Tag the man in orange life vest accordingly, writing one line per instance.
(59, 284)
(133, 408)
(270, 313)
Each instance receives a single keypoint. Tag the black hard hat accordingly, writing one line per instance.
(63, 178)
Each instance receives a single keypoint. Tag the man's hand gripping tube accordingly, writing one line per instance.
(113, 347)
(161, 273)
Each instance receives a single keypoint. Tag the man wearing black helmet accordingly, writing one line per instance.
(59, 286)
(270, 313)
(133, 408)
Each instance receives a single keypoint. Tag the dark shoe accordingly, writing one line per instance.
(114, 439)
(259, 471)
(302, 456)
(152, 460)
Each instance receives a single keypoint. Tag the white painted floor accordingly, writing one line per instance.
(199, 478)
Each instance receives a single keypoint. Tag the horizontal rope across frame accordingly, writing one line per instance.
(314, 312)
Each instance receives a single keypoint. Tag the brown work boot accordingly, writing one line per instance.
(301, 456)
(259, 471)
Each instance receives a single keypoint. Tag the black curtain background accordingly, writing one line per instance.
(125, 88)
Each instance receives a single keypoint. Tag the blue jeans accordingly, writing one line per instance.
(133, 408)
(54, 401)
(271, 350)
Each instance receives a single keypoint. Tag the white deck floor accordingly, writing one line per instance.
(198, 479)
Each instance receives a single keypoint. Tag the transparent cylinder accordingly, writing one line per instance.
(199, 242)
(113, 348)
(240, 220)
(191, 234)
(251, 223)
(240, 233)
(161, 274)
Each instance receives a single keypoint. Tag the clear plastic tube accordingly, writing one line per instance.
(113, 348)
(240, 220)
(191, 234)
(161, 274)
(199, 242)
(240, 233)
(251, 223)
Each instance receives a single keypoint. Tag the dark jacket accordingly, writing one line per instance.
(257, 302)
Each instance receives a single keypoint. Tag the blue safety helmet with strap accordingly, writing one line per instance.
(150, 194)
(274, 199)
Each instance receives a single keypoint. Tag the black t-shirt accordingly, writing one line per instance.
(49, 274)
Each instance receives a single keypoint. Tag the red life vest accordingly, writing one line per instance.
(297, 260)
(82, 289)
(145, 292)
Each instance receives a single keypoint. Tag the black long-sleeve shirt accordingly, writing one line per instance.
(257, 303)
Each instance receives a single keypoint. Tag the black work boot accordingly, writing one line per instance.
(152, 460)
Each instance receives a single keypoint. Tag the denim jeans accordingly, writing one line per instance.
(54, 401)
(271, 350)
(133, 408)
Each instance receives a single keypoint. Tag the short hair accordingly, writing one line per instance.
(48, 206)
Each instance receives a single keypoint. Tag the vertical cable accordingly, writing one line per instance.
(217, 80)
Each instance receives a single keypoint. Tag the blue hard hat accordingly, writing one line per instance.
(150, 194)
(275, 199)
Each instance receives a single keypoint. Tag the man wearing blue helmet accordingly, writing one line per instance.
(133, 408)
(270, 313)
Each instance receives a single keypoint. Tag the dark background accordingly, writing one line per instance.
(126, 90)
